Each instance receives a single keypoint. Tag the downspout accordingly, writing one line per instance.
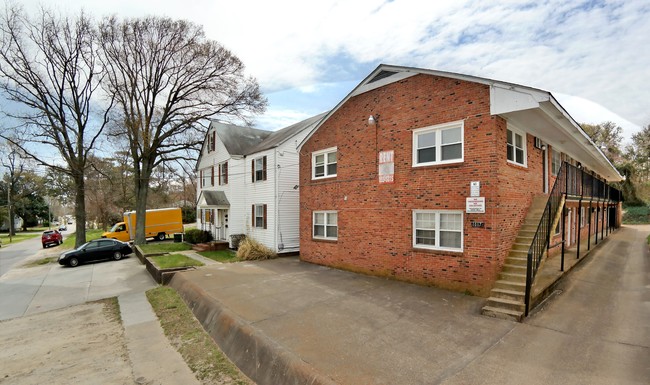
(276, 210)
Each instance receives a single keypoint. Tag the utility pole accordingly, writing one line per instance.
(9, 216)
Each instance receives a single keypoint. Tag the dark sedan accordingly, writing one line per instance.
(95, 250)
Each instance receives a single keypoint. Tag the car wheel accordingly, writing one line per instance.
(161, 236)
(117, 255)
(73, 262)
(44, 245)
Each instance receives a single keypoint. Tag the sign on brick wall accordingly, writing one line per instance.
(386, 166)
(475, 205)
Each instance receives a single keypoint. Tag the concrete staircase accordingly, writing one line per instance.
(507, 296)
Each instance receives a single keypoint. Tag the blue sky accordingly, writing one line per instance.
(307, 55)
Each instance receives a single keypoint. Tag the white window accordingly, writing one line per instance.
(258, 171)
(223, 173)
(582, 217)
(438, 144)
(207, 177)
(440, 230)
(516, 147)
(556, 161)
(324, 163)
(326, 225)
(259, 216)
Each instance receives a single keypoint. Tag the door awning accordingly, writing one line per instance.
(213, 198)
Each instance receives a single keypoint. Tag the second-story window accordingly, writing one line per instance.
(223, 173)
(324, 163)
(439, 144)
(258, 166)
(516, 147)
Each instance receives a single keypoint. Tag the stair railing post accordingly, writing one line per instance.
(566, 197)
(580, 210)
(529, 282)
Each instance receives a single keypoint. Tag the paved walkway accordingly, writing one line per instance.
(31, 290)
(288, 322)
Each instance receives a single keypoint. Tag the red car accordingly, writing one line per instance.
(51, 237)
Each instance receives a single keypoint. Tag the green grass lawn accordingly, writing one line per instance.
(17, 238)
(224, 256)
(168, 261)
(189, 338)
(165, 247)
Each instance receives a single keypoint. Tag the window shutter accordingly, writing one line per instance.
(219, 173)
(212, 177)
(264, 169)
(253, 214)
(201, 177)
(214, 139)
(253, 170)
(264, 211)
(225, 173)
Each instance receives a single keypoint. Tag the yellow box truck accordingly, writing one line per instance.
(158, 224)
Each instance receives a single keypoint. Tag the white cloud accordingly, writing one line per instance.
(595, 50)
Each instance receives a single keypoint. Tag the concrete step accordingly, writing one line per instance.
(519, 261)
(521, 246)
(512, 315)
(518, 254)
(510, 285)
(507, 304)
(518, 269)
(512, 277)
(514, 295)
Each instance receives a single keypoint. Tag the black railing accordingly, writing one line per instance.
(571, 183)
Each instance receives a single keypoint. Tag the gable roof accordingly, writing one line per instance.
(533, 108)
(238, 139)
(243, 141)
(278, 137)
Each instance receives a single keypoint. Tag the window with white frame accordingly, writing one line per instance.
(223, 173)
(439, 230)
(438, 144)
(324, 163)
(207, 177)
(582, 217)
(259, 173)
(325, 225)
(556, 161)
(259, 216)
(516, 147)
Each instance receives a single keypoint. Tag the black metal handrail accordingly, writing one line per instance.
(571, 181)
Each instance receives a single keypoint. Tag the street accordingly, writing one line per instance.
(13, 253)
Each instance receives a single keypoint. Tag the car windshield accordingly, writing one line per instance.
(82, 246)
(114, 228)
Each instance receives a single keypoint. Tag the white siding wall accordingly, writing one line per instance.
(288, 207)
(262, 192)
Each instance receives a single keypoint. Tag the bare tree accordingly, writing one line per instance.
(50, 74)
(15, 168)
(168, 80)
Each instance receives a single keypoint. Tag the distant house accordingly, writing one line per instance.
(248, 183)
(450, 180)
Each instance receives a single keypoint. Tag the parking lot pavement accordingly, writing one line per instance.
(286, 321)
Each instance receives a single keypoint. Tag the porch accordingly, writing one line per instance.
(556, 266)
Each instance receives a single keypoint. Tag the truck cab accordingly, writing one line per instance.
(119, 231)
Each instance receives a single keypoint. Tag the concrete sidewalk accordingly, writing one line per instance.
(288, 322)
(31, 290)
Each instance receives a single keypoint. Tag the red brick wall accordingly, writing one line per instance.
(375, 220)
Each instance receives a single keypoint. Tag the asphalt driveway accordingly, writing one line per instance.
(285, 321)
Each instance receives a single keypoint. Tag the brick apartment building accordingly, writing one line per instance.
(427, 176)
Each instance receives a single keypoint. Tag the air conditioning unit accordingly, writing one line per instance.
(538, 143)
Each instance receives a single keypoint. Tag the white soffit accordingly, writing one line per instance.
(504, 99)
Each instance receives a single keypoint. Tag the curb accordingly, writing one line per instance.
(263, 360)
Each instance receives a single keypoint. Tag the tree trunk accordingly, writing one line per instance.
(141, 193)
(80, 210)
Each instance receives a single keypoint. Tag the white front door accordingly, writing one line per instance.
(223, 224)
